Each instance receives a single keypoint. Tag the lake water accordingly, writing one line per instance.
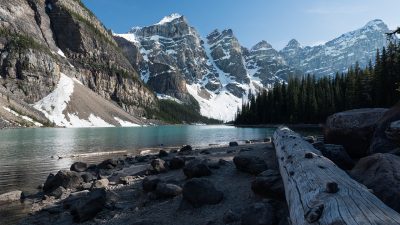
(27, 156)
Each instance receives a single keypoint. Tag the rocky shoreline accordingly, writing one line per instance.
(233, 184)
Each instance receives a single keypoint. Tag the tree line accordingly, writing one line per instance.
(307, 99)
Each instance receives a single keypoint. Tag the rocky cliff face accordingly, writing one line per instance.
(41, 39)
(265, 63)
(340, 53)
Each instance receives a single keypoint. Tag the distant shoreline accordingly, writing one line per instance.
(298, 126)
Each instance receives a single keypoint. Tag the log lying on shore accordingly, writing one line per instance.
(319, 192)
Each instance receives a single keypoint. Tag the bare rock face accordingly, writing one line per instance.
(380, 172)
(386, 137)
(91, 48)
(29, 68)
(353, 129)
(41, 39)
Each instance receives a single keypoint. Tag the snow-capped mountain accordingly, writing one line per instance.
(340, 53)
(220, 74)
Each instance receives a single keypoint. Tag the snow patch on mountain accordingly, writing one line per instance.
(129, 37)
(126, 123)
(22, 116)
(169, 18)
(222, 106)
(54, 104)
(167, 97)
(92, 121)
(54, 107)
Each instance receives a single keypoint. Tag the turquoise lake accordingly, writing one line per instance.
(27, 156)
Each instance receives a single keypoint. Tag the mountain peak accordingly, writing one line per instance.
(262, 45)
(170, 18)
(376, 24)
(293, 44)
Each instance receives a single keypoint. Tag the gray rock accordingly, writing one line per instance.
(233, 144)
(196, 168)
(353, 129)
(164, 190)
(185, 150)
(380, 172)
(150, 183)
(250, 164)
(259, 214)
(66, 179)
(176, 163)
(200, 191)
(11, 196)
(88, 177)
(159, 166)
(163, 153)
(79, 167)
(337, 154)
(269, 184)
(58, 192)
(102, 183)
(108, 164)
(87, 207)
(386, 136)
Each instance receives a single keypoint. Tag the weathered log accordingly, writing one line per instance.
(318, 192)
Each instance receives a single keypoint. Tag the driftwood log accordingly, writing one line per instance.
(319, 192)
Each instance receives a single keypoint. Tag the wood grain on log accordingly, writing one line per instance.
(319, 192)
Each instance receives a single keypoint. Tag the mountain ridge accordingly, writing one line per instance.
(225, 67)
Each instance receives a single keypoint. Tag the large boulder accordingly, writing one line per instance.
(176, 163)
(353, 129)
(87, 207)
(380, 172)
(200, 191)
(79, 167)
(108, 164)
(150, 183)
(196, 168)
(386, 137)
(185, 150)
(65, 179)
(337, 154)
(269, 184)
(164, 190)
(250, 164)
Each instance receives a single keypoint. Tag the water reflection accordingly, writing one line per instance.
(26, 154)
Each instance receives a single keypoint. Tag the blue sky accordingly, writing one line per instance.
(276, 21)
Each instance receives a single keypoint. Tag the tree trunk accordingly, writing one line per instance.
(318, 192)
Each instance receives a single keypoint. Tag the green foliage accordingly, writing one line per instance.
(173, 112)
(310, 100)
(20, 42)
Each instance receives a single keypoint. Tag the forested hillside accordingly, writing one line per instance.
(311, 100)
